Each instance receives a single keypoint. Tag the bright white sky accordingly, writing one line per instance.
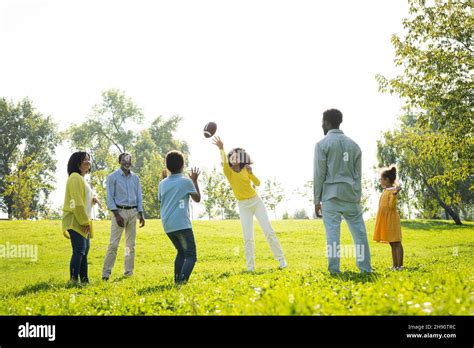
(263, 70)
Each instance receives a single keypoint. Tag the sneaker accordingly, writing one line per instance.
(283, 264)
(105, 279)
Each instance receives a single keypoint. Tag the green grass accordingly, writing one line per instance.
(437, 279)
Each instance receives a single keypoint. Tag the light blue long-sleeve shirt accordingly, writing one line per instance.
(337, 168)
(124, 190)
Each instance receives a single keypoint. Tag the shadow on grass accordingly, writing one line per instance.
(152, 289)
(356, 277)
(41, 287)
(215, 276)
(431, 225)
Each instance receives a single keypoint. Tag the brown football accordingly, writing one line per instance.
(210, 129)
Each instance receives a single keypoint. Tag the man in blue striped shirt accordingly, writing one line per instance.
(124, 199)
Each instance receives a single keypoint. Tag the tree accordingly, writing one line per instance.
(273, 194)
(112, 129)
(150, 178)
(26, 139)
(365, 197)
(225, 199)
(422, 158)
(22, 185)
(211, 181)
(162, 133)
(300, 214)
(105, 134)
(435, 55)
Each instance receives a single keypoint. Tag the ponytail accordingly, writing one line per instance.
(390, 173)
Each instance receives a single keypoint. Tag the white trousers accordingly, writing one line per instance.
(249, 208)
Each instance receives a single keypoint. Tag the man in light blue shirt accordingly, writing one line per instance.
(174, 193)
(337, 191)
(124, 199)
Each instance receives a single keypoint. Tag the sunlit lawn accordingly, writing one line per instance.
(437, 279)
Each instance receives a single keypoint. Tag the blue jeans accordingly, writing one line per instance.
(80, 249)
(333, 210)
(186, 258)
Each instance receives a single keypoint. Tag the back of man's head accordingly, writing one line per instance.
(333, 117)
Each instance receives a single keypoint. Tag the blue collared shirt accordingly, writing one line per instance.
(124, 190)
(337, 168)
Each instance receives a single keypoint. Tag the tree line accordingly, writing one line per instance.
(28, 167)
(432, 144)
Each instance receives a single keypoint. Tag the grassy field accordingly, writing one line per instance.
(437, 279)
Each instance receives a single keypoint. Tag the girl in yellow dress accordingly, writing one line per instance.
(387, 225)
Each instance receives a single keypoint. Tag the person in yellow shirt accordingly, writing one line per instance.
(239, 173)
(76, 223)
(387, 224)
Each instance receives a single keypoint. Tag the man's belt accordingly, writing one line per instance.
(126, 208)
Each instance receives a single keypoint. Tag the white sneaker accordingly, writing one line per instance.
(283, 264)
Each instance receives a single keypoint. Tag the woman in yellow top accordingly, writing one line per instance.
(77, 223)
(387, 225)
(239, 173)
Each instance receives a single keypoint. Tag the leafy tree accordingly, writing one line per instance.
(150, 177)
(422, 158)
(27, 138)
(162, 133)
(22, 185)
(435, 56)
(273, 194)
(300, 214)
(225, 199)
(365, 198)
(211, 181)
(112, 129)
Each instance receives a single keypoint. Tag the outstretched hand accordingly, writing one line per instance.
(194, 174)
(218, 142)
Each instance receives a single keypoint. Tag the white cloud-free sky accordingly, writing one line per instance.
(264, 70)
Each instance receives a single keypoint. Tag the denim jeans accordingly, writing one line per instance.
(80, 249)
(186, 258)
(333, 210)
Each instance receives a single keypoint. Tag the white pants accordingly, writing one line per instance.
(130, 226)
(247, 209)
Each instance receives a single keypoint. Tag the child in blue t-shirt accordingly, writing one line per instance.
(173, 193)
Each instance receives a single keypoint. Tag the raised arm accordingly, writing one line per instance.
(218, 142)
(194, 175)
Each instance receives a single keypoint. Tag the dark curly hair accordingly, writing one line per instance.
(242, 156)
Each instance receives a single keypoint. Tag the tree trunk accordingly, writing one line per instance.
(446, 207)
(9, 204)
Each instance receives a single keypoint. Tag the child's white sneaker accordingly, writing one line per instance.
(283, 264)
